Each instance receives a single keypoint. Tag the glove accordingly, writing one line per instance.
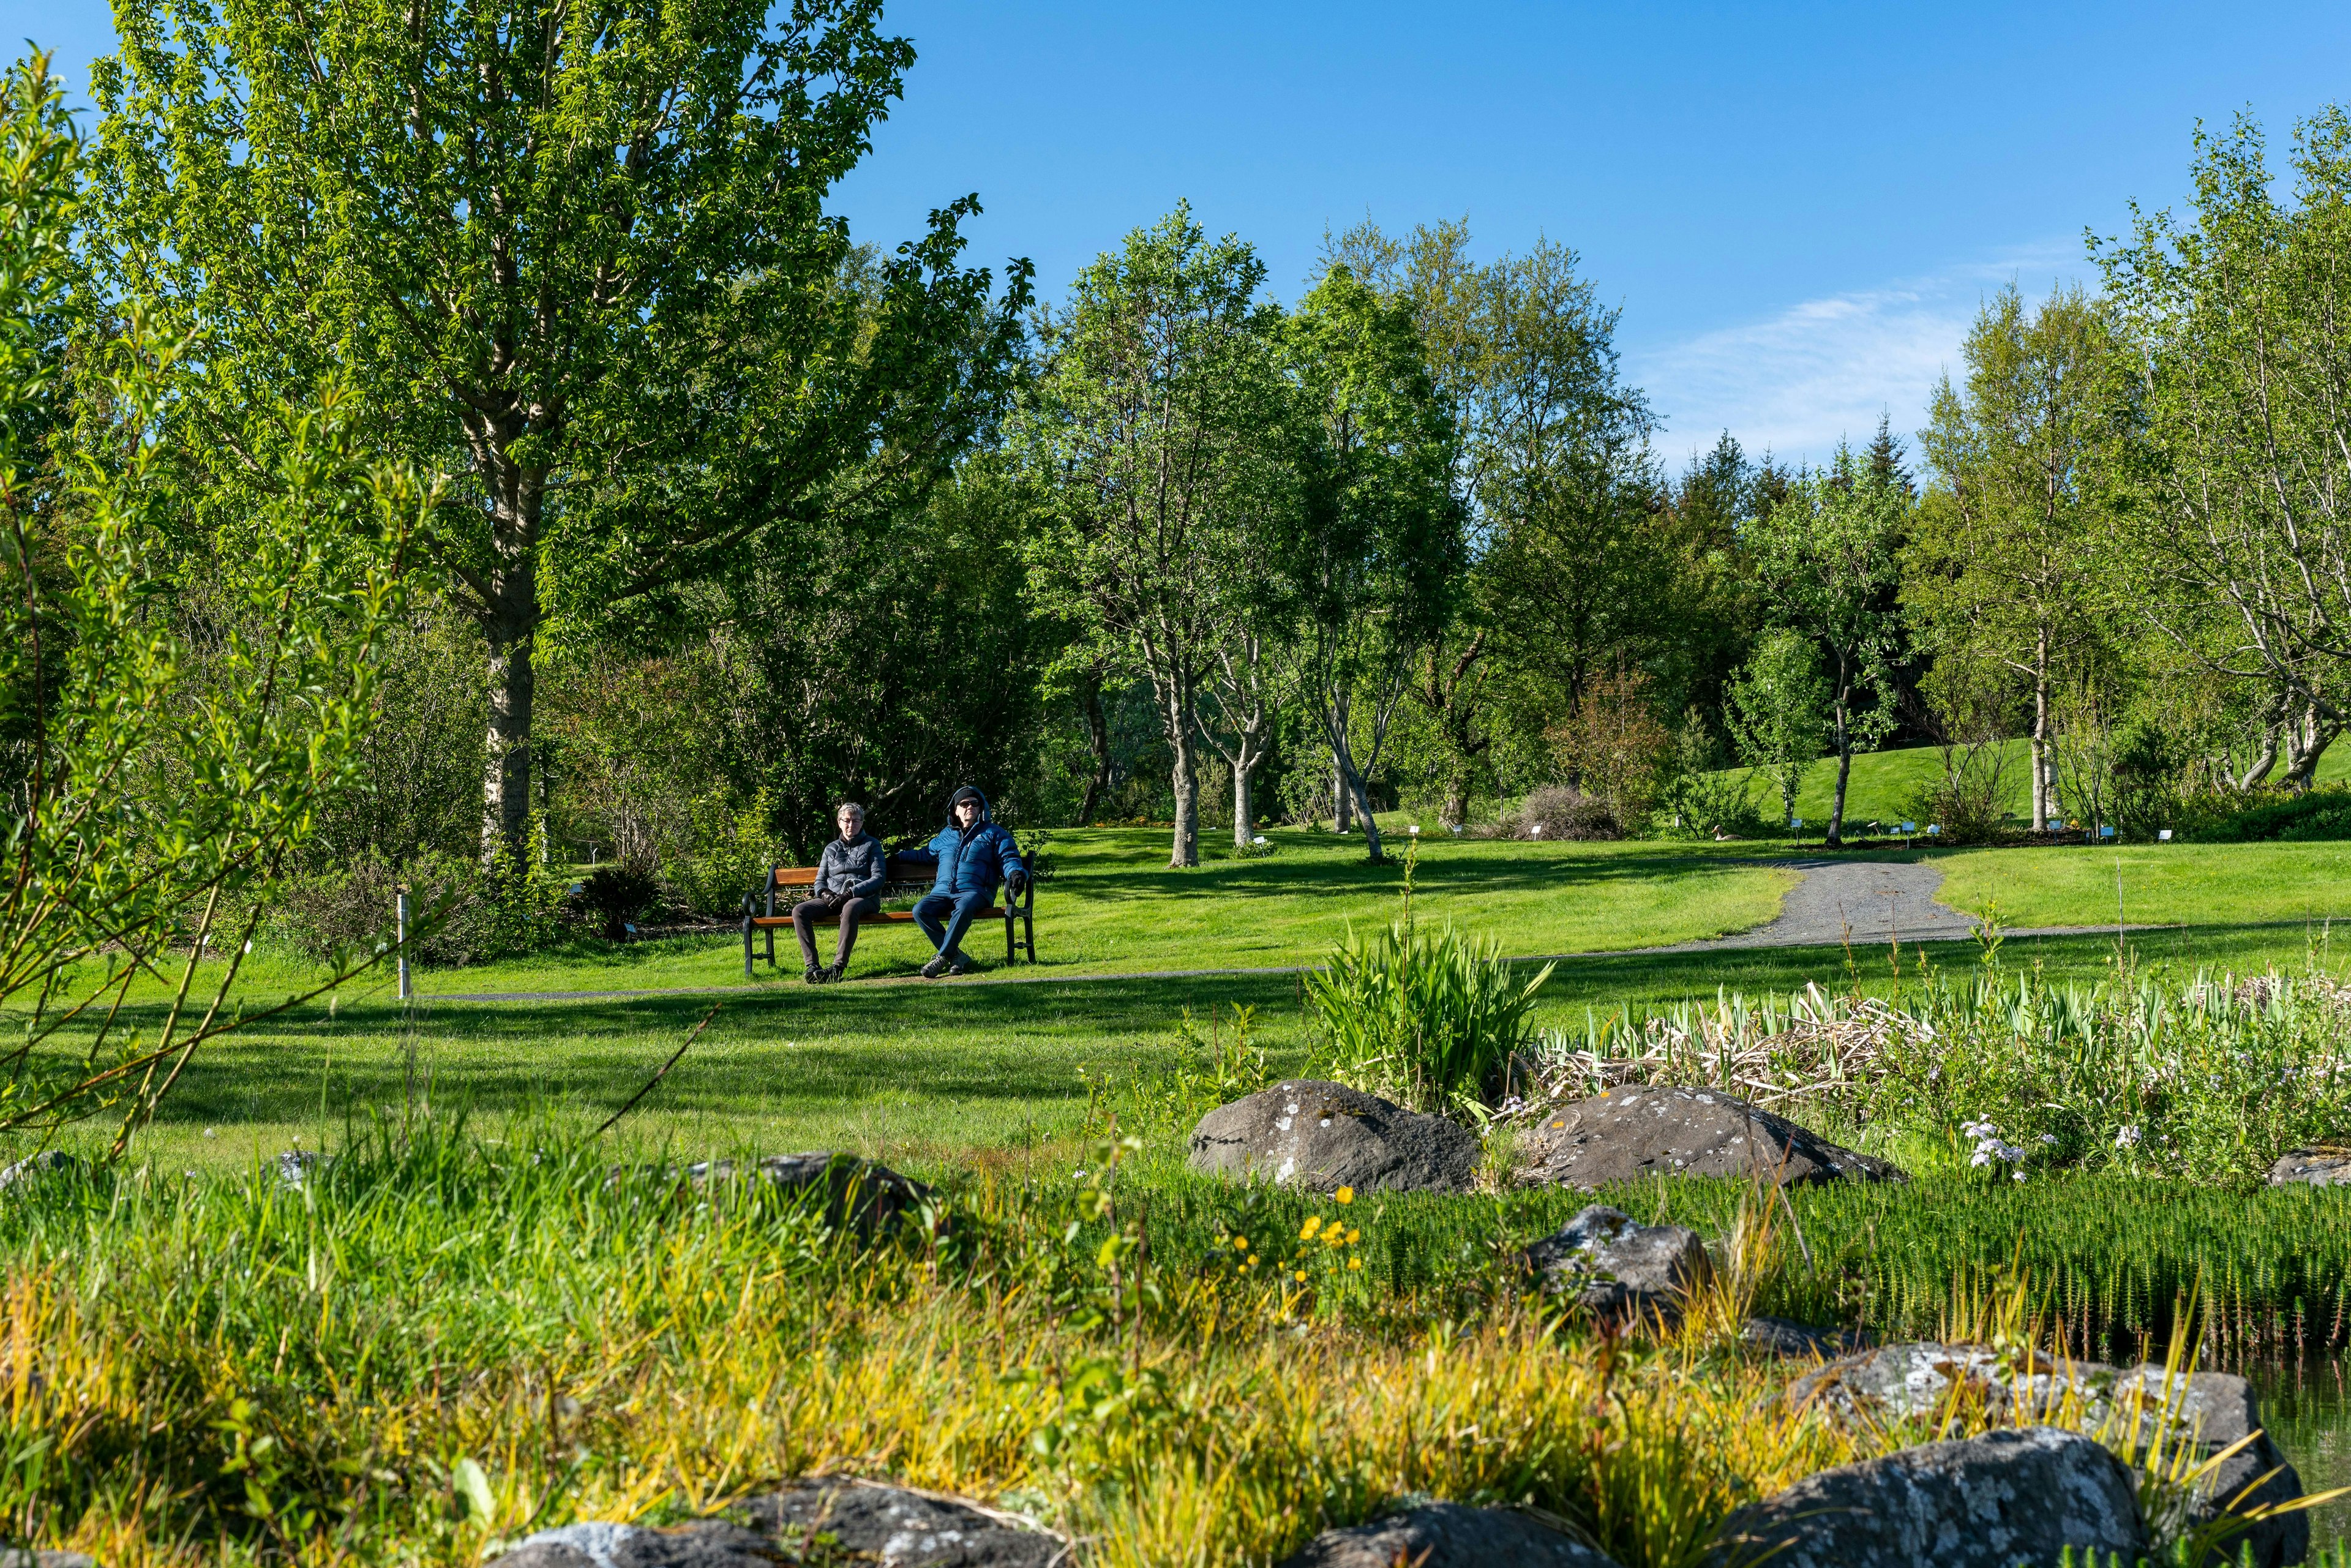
(1018, 883)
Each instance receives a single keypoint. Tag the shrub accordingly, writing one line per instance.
(1431, 1022)
(2321, 814)
(2145, 768)
(1614, 744)
(612, 898)
(1700, 798)
(460, 912)
(729, 850)
(1969, 801)
(1556, 811)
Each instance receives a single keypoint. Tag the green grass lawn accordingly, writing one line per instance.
(1114, 906)
(1885, 784)
(921, 1071)
(2192, 884)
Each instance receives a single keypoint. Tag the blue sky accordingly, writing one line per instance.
(1797, 207)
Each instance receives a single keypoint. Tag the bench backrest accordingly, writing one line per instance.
(900, 870)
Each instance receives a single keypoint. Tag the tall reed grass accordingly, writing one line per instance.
(2211, 1077)
(436, 1345)
(1434, 1020)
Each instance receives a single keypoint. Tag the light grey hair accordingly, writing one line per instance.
(848, 806)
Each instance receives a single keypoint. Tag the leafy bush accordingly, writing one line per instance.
(1555, 811)
(1615, 744)
(461, 913)
(1700, 798)
(1969, 801)
(2321, 814)
(614, 898)
(1432, 1022)
(728, 851)
(2145, 768)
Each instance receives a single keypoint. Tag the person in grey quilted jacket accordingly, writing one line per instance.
(848, 882)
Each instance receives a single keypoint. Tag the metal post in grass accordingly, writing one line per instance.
(400, 937)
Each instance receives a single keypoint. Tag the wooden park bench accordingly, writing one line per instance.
(760, 912)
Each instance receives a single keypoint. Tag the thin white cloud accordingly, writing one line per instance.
(1797, 382)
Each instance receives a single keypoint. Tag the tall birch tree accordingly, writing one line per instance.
(577, 257)
(1158, 435)
(2007, 564)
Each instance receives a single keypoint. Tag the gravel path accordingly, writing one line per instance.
(1864, 902)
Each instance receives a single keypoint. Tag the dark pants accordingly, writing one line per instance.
(851, 910)
(956, 909)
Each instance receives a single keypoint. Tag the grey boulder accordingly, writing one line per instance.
(2211, 1411)
(899, 1528)
(2208, 1412)
(1617, 1267)
(851, 1192)
(595, 1543)
(31, 1168)
(1785, 1336)
(1622, 1134)
(1447, 1535)
(2313, 1168)
(811, 1522)
(1323, 1136)
(2006, 1499)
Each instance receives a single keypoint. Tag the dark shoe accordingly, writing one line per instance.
(814, 976)
(962, 965)
(839, 972)
(936, 968)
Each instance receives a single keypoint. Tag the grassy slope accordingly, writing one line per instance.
(2194, 884)
(1884, 783)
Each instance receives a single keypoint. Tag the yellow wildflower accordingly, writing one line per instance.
(1301, 1276)
(1354, 1237)
(1313, 1224)
(1355, 1262)
(1240, 1243)
(1345, 1195)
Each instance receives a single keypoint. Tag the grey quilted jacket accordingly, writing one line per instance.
(858, 867)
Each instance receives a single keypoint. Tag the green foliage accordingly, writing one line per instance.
(1162, 441)
(1124, 1349)
(615, 897)
(1381, 562)
(2317, 815)
(2013, 1076)
(1776, 708)
(1700, 798)
(2236, 540)
(1826, 556)
(610, 302)
(889, 661)
(1434, 1021)
(152, 809)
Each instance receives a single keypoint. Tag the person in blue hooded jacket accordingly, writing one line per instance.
(973, 855)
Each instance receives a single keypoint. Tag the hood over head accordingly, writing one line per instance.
(967, 793)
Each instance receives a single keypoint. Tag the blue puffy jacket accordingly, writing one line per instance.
(974, 861)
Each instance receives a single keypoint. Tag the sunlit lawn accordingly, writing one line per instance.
(920, 1072)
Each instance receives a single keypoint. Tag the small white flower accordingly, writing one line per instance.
(1983, 1158)
(2048, 1137)
(2019, 1177)
(2125, 1136)
(212, 1132)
